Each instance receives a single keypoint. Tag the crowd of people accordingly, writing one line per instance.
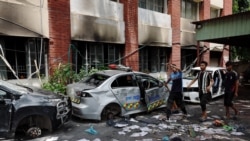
(205, 82)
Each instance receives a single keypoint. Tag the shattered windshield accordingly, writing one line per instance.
(192, 74)
(95, 79)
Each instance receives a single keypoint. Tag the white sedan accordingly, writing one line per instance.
(192, 94)
(111, 92)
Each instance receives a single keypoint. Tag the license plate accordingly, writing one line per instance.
(75, 100)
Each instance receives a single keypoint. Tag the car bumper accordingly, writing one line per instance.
(191, 97)
(84, 111)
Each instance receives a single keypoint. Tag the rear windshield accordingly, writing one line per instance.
(95, 79)
(193, 73)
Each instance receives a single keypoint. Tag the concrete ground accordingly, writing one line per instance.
(151, 127)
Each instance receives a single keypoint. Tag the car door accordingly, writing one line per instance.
(5, 111)
(217, 80)
(155, 92)
(127, 92)
(221, 87)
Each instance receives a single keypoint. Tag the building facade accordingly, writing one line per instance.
(142, 34)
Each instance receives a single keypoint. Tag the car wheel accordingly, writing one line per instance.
(34, 132)
(110, 111)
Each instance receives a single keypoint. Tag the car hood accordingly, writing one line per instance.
(45, 93)
(186, 82)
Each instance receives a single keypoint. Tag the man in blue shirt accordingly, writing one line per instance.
(231, 83)
(176, 91)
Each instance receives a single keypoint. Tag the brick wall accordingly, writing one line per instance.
(175, 12)
(227, 7)
(131, 33)
(59, 32)
(205, 14)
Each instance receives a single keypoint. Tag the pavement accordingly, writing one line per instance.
(152, 126)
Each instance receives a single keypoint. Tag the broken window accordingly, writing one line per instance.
(153, 59)
(124, 81)
(94, 55)
(21, 54)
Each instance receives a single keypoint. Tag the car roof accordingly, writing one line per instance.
(209, 68)
(115, 72)
(111, 72)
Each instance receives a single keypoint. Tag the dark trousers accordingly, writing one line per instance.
(228, 99)
(204, 99)
(178, 98)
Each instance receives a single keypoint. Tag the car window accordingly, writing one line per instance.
(193, 73)
(149, 81)
(95, 79)
(124, 81)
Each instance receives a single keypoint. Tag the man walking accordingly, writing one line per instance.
(231, 83)
(176, 91)
(205, 82)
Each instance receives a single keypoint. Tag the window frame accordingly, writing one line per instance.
(153, 5)
(194, 9)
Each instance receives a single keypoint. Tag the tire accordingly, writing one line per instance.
(34, 132)
(110, 111)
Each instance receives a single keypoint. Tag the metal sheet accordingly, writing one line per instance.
(188, 38)
(231, 30)
(24, 18)
(154, 28)
(187, 32)
(10, 29)
(157, 36)
(89, 28)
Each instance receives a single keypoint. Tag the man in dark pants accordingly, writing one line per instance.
(231, 83)
(205, 82)
(176, 91)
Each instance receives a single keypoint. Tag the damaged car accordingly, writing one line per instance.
(31, 110)
(107, 93)
(192, 94)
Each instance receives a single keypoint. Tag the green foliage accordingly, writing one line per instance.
(240, 53)
(241, 6)
(61, 76)
(64, 75)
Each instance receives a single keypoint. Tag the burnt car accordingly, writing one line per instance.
(107, 93)
(30, 110)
